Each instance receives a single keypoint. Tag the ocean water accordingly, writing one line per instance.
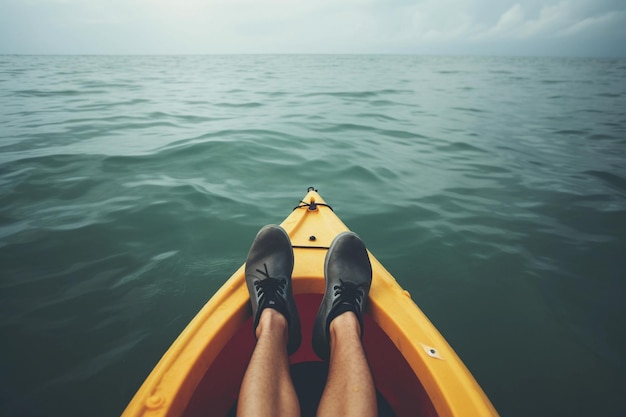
(494, 189)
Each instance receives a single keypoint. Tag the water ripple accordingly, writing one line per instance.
(131, 187)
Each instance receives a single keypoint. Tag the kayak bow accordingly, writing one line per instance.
(415, 370)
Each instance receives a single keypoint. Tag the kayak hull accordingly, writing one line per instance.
(415, 371)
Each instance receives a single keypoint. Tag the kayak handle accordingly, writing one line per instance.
(312, 206)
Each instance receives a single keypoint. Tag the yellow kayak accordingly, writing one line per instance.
(415, 370)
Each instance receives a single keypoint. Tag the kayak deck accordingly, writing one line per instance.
(415, 371)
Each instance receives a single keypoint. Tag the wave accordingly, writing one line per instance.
(57, 93)
(131, 187)
(359, 94)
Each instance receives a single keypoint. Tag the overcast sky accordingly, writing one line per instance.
(511, 27)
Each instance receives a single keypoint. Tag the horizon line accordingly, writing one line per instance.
(486, 55)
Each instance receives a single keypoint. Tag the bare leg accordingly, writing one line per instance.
(267, 389)
(350, 387)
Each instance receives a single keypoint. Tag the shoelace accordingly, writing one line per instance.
(349, 293)
(269, 289)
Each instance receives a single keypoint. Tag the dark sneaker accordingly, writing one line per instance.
(268, 276)
(348, 275)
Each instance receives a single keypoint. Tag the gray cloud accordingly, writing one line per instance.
(535, 27)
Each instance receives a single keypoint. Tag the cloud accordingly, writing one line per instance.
(589, 24)
(525, 26)
(509, 22)
(517, 22)
(305, 26)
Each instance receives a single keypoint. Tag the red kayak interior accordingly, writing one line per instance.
(400, 392)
